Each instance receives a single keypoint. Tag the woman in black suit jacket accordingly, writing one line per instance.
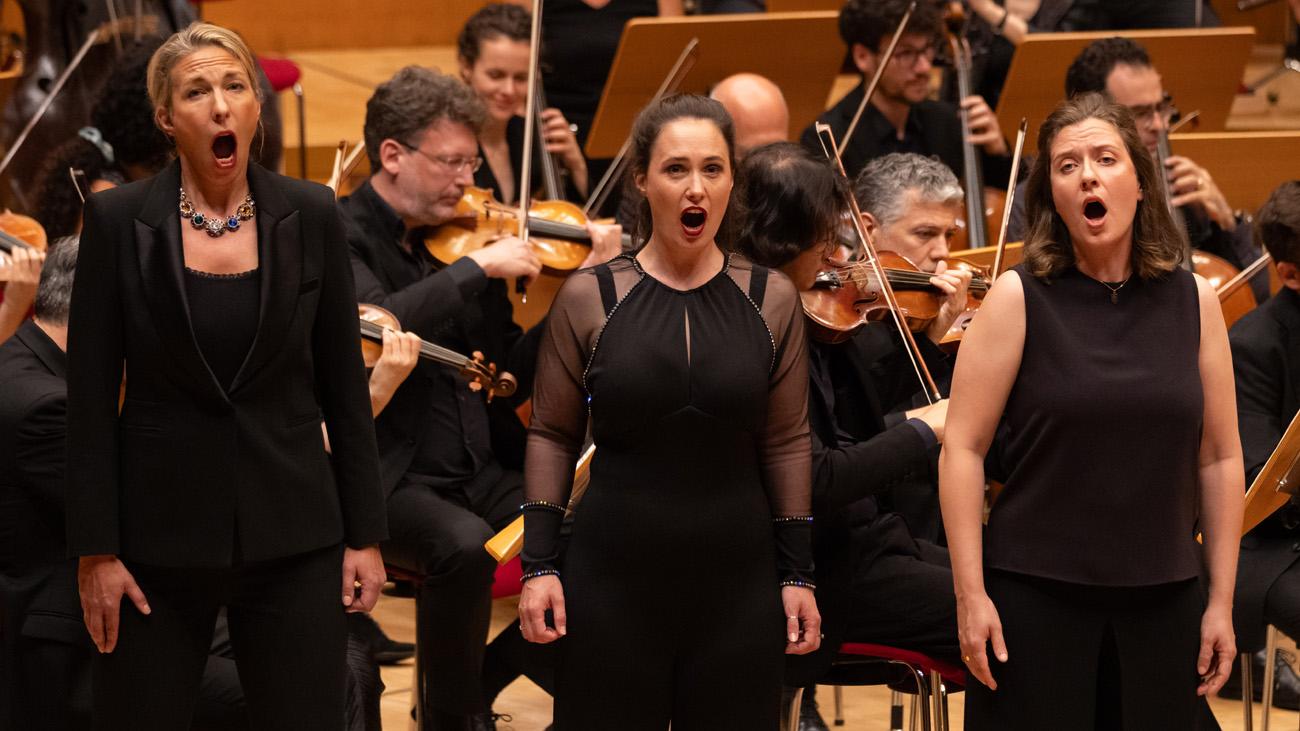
(212, 487)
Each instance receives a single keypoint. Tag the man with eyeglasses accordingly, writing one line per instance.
(450, 461)
(901, 117)
(1122, 68)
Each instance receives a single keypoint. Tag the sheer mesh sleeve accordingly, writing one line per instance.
(787, 444)
(559, 419)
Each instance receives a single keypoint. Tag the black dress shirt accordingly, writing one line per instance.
(932, 128)
(436, 430)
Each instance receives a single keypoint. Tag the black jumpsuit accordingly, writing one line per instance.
(698, 407)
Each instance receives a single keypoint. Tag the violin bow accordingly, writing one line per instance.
(530, 129)
(875, 79)
(336, 174)
(350, 162)
(827, 139)
(685, 62)
(102, 34)
(1011, 196)
(79, 183)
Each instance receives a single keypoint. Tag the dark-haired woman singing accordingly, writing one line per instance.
(689, 570)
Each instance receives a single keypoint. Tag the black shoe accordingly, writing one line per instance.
(387, 650)
(487, 721)
(1286, 683)
(810, 719)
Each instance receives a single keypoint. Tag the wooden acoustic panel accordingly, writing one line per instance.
(800, 52)
(1247, 166)
(1202, 70)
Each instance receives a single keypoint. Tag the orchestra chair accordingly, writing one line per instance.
(859, 663)
(507, 582)
(1247, 686)
(285, 74)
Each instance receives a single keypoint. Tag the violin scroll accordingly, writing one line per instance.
(483, 376)
(480, 374)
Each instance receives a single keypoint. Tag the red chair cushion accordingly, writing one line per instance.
(282, 72)
(950, 672)
(508, 579)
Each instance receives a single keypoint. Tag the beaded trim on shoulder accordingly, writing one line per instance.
(592, 356)
(771, 366)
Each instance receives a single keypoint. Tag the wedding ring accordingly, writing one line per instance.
(791, 617)
(573, 128)
(1200, 182)
(966, 659)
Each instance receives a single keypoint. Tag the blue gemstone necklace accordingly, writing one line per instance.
(215, 225)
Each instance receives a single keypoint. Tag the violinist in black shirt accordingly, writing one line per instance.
(448, 459)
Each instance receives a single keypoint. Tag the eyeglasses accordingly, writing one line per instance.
(909, 56)
(453, 163)
(1145, 114)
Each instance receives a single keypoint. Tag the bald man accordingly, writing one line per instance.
(757, 107)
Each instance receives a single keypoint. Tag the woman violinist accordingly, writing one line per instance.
(225, 292)
(493, 50)
(1109, 366)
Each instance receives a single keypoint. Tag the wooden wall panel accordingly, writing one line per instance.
(1269, 20)
(280, 26)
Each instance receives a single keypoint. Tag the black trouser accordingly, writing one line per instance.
(1282, 602)
(902, 591)
(287, 628)
(439, 533)
(1081, 657)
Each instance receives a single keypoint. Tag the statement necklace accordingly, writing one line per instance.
(215, 225)
(1114, 291)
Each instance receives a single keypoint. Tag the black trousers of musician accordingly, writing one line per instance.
(439, 532)
(1085, 658)
(1282, 602)
(288, 631)
(902, 590)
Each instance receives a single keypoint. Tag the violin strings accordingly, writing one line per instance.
(375, 331)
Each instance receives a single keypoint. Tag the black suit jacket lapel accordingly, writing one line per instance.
(162, 272)
(279, 255)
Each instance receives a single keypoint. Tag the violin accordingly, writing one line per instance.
(562, 244)
(850, 295)
(480, 375)
(18, 231)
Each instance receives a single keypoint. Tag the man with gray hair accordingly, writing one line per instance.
(899, 578)
(910, 204)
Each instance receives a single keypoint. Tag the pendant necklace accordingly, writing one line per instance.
(1114, 291)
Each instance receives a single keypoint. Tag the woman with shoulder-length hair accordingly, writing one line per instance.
(225, 292)
(1109, 366)
(693, 539)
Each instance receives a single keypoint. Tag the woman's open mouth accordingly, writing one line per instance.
(224, 149)
(693, 219)
(1094, 211)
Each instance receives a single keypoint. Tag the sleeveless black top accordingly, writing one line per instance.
(1103, 428)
